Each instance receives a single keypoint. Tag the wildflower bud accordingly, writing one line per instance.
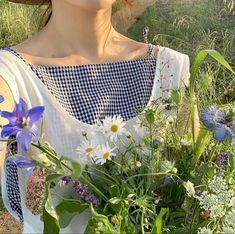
(150, 116)
(231, 180)
(205, 214)
(128, 135)
(115, 219)
(206, 81)
(174, 170)
(84, 133)
(156, 143)
(138, 164)
(176, 96)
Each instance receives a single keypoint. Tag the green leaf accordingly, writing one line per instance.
(157, 228)
(115, 200)
(99, 224)
(114, 191)
(52, 177)
(43, 160)
(67, 209)
(51, 225)
(201, 56)
(50, 217)
(203, 140)
(76, 168)
(126, 225)
(49, 207)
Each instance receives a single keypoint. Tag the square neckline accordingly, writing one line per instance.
(150, 52)
(78, 122)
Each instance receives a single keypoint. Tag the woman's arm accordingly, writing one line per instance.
(7, 105)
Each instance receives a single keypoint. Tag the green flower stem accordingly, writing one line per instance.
(7, 140)
(142, 221)
(96, 175)
(104, 173)
(148, 174)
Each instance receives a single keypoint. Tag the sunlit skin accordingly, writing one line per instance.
(85, 30)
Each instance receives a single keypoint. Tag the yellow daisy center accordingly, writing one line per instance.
(106, 155)
(114, 128)
(89, 149)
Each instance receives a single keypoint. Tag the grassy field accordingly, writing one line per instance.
(188, 27)
(183, 25)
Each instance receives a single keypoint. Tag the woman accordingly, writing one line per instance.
(81, 69)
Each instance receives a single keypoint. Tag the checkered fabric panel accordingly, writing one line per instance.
(12, 183)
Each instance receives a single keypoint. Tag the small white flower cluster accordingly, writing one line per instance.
(205, 230)
(218, 199)
(218, 184)
(111, 129)
(220, 202)
(189, 188)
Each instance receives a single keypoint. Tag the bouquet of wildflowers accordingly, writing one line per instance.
(164, 179)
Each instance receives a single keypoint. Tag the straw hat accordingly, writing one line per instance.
(31, 2)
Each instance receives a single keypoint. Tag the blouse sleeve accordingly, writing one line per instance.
(7, 74)
(182, 72)
(174, 71)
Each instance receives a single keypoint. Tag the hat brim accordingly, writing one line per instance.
(31, 2)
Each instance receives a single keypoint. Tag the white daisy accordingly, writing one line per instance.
(86, 148)
(103, 153)
(114, 127)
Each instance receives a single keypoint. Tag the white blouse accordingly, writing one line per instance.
(63, 131)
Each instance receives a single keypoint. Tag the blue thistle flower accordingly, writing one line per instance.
(216, 121)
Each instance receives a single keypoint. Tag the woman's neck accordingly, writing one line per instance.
(78, 29)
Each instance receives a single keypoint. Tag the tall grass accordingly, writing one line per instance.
(17, 22)
(190, 26)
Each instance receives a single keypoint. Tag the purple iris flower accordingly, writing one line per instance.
(1, 99)
(25, 163)
(216, 121)
(22, 122)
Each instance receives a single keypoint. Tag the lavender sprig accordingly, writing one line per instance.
(82, 190)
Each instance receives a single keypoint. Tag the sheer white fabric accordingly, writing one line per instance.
(62, 130)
